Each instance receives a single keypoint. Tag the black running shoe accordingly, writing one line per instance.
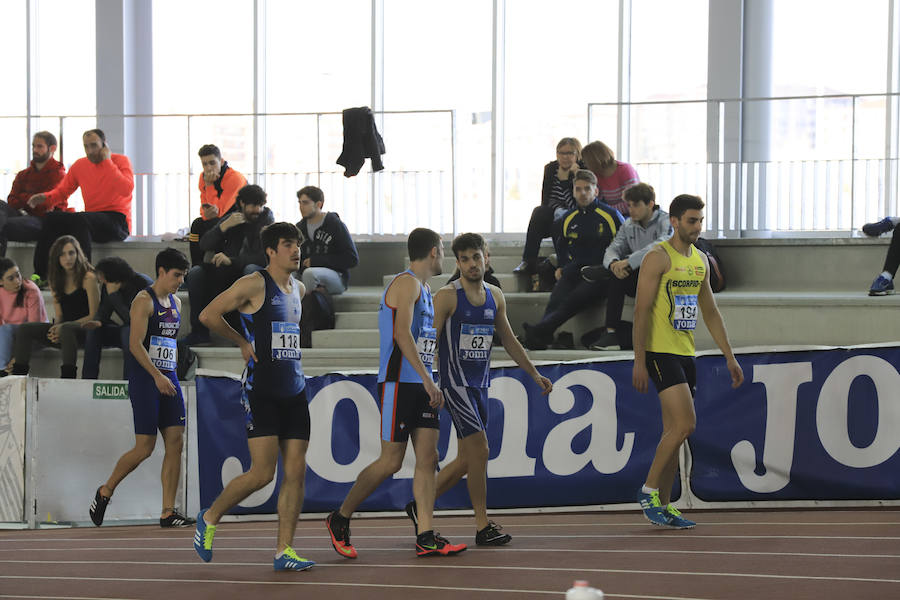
(491, 536)
(176, 519)
(413, 514)
(98, 508)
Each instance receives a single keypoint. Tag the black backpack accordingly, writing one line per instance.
(716, 268)
(318, 313)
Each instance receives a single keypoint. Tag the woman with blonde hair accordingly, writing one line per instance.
(76, 296)
(613, 176)
(556, 200)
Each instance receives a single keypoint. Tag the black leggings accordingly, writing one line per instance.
(71, 335)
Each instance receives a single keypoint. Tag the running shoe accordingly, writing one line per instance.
(339, 529)
(176, 519)
(678, 521)
(608, 341)
(595, 273)
(412, 512)
(203, 537)
(878, 227)
(491, 536)
(882, 286)
(289, 561)
(98, 507)
(429, 543)
(653, 509)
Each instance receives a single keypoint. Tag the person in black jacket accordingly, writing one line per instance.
(112, 321)
(231, 249)
(556, 201)
(327, 252)
(585, 234)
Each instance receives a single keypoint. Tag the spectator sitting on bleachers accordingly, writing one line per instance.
(76, 296)
(110, 326)
(586, 232)
(556, 201)
(884, 283)
(19, 221)
(646, 226)
(106, 181)
(613, 176)
(327, 252)
(231, 249)
(219, 185)
(20, 302)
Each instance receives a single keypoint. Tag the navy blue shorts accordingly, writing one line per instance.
(152, 411)
(286, 417)
(467, 407)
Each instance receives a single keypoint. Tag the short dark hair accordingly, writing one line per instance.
(171, 258)
(314, 194)
(98, 132)
(208, 149)
(115, 269)
(48, 138)
(642, 192)
(468, 241)
(251, 194)
(586, 175)
(420, 242)
(271, 235)
(684, 202)
(6, 264)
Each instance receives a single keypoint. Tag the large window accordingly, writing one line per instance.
(16, 149)
(557, 61)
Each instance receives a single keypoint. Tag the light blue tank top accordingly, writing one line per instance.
(393, 365)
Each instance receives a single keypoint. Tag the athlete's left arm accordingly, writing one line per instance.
(512, 345)
(444, 306)
(716, 325)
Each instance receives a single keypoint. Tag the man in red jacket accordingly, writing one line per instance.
(19, 221)
(106, 181)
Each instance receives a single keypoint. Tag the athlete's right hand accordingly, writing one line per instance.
(164, 385)
(435, 396)
(639, 377)
(248, 353)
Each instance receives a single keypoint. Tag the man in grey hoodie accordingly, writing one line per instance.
(646, 226)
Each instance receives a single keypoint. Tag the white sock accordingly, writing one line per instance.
(280, 554)
(647, 490)
(887, 275)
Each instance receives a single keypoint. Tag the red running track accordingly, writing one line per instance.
(790, 554)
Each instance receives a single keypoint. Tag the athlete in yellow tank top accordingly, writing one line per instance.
(673, 285)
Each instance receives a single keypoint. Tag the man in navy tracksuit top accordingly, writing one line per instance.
(586, 232)
(327, 252)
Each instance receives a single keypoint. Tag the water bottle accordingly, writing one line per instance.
(580, 590)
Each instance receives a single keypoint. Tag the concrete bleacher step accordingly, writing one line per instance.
(501, 263)
(508, 281)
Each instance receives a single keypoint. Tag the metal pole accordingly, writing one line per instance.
(853, 163)
(318, 151)
(453, 171)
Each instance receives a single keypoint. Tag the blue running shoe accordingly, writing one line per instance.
(678, 521)
(878, 227)
(653, 509)
(289, 561)
(882, 286)
(203, 537)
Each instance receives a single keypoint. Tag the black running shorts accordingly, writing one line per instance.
(285, 417)
(667, 370)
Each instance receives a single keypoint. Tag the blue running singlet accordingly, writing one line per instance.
(465, 344)
(274, 331)
(393, 365)
(162, 329)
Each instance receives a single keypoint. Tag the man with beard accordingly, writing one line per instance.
(673, 282)
(219, 185)
(234, 249)
(19, 221)
(106, 181)
(466, 312)
(408, 398)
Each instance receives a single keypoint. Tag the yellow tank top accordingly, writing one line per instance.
(673, 316)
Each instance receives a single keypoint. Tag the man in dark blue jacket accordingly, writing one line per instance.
(586, 232)
(327, 252)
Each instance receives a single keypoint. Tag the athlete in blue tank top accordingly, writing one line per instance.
(274, 390)
(408, 398)
(156, 399)
(467, 313)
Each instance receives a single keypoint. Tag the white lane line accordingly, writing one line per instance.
(504, 550)
(477, 568)
(651, 534)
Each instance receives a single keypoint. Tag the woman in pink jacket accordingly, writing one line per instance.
(20, 302)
